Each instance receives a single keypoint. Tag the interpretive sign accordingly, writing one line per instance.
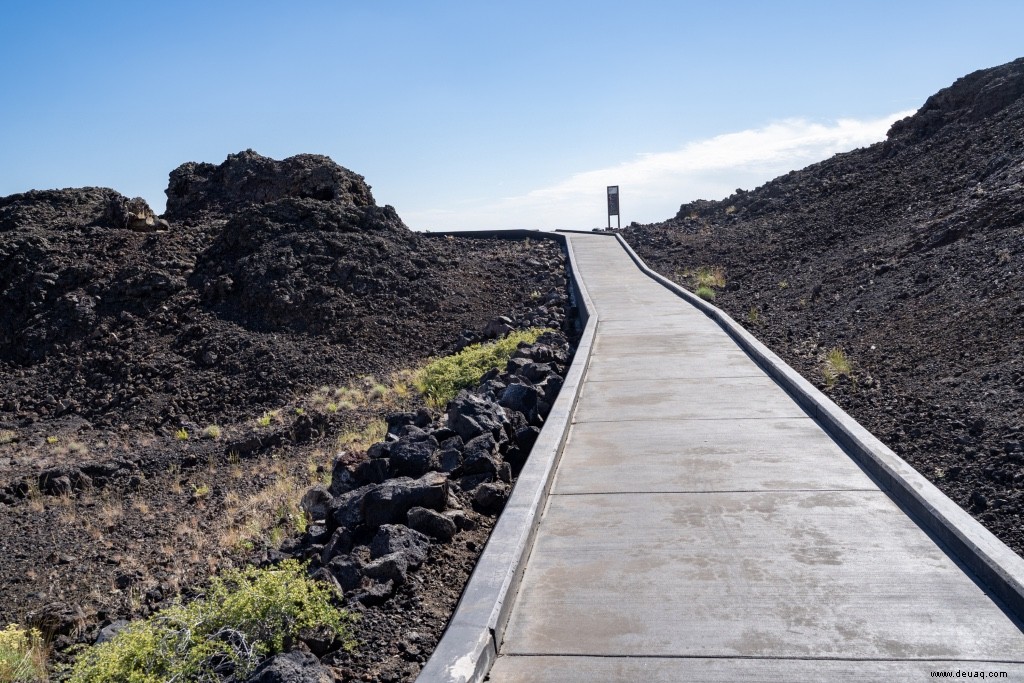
(613, 205)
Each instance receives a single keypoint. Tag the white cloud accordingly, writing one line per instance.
(653, 185)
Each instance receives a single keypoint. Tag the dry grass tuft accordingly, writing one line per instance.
(836, 365)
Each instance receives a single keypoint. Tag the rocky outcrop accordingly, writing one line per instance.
(969, 100)
(77, 209)
(117, 324)
(248, 178)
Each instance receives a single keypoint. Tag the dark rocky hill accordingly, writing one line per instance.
(909, 256)
(271, 276)
(169, 387)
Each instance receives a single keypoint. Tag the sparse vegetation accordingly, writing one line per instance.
(754, 316)
(181, 434)
(783, 284)
(361, 439)
(705, 292)
(836, 365)
(22, 655)
(246, 616)
(8, 436)
(266, 517)
(51, 440)
(705, 280)
(379, 392)
(440, 380)
(211, 432)
(709, 276)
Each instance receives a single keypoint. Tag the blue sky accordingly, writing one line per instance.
(476, 114)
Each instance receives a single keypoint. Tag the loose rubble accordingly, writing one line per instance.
(434, 480)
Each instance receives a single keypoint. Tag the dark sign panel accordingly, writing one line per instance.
(613, 200)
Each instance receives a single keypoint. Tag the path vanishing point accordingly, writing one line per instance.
(700, 524)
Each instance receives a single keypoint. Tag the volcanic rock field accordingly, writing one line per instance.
(228, 384)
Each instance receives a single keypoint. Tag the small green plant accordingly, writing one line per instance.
(836, 365)
(51, 440)
(264, 420)
(440, 380)
(706, 280)
(201, 491)
(332, 407)
(181, 434)
(705, 292)
(245, 616)
(22, 655)
(300, 411)
(754, 316)
(211, 432)
(8, 436)
(783, 284)
(710, 276)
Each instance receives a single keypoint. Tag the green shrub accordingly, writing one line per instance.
(181, 434)
(246, 616)
(211, 432)
(440, 380)
(706, 293)
(22, 655)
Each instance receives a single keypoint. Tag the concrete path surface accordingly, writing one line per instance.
(701, 526)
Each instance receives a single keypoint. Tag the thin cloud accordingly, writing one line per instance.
(654, 184)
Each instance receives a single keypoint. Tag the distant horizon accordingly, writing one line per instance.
(742, 160)
(465, 115)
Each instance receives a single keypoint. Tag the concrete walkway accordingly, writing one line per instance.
(702, 527)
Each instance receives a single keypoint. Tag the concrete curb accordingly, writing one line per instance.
(998, 569)
(469, 645)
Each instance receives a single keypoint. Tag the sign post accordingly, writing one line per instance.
(613, 206)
